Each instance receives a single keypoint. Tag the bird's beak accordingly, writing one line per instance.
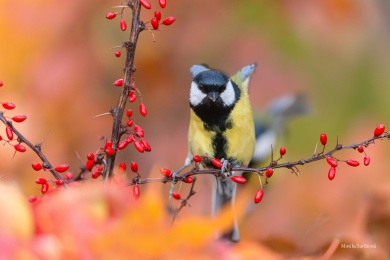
(213, 95)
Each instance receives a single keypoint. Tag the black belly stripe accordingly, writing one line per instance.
(220, 145)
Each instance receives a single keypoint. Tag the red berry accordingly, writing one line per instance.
(132, 96)
(129, 112)
(45, 188)
(19, 118)
(331, 161)
(162, 3)
(32, 199)
(89, 165)
(146, 4)
(130, 122)
(1, 83)
(68, 175)
(139, 130)
(379, 130)
(138, 145)
(62, 168)
(90, 156)
(360, 149)
(366, 160)
(136, 192)
(282, 151)
(20, 148)
(154, 22)
(123, 25)
(108, 144)
(130, 139)
(118, 54)
(134, 167)
(95, 174)
(176, 195)
(323, 139)
(169, 20)
(36, 166)
(118, 82)
(146, 145)
(197, 158)
(217, 163)
(122, 166)
(259, 196)
(40, 180)
(110, 151)
(9, 105)
(188, 179)
(331, 173)
(8, 131)
(352, 163)
(157, 15)
(110, 15)
(142, 109)
(59, 182)
(122, 145)
(166, 172)
(239, 179)
(269, 172)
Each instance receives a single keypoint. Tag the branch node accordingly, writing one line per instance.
(273, 163)
(128, 45)
(38, 146)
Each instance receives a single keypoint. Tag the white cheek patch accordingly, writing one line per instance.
(228, 96)
(196, 96)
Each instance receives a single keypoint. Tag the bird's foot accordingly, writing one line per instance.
(225, 169)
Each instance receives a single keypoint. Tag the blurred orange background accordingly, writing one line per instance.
(57, 63)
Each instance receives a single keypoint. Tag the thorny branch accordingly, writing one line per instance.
(260, 171)
(117, 112)
(35, 147)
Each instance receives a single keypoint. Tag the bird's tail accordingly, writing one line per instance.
(224, 193)
(286, 107)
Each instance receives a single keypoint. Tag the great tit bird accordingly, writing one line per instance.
(221, 126)
(271, 127)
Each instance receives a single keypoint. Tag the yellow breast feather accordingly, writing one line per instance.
(199, 140)
(241, 137)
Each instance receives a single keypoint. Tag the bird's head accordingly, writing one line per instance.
(212, 88)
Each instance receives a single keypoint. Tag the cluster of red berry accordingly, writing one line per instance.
(8, 129)
(333, 162)
(268, 174)
(156, 21)
(197, 159)
(11, 132)
(94, 161)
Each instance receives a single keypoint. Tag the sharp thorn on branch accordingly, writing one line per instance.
(104, 114)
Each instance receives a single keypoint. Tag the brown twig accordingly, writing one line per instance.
(117, 112)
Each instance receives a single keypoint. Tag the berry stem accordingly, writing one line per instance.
(184, 202)
(117, 112)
